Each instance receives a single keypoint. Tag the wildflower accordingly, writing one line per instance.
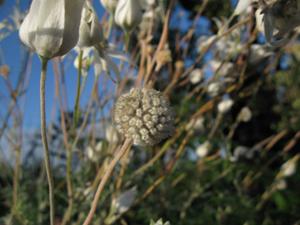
(244, 115)
(196, 76)
(203, 149)
(94, 153)
(145, 116)
(197, 125)
(225, 105)
(86, 63)
(279, 19)
(51, 28)
(242, 6)
(112, 135)
(89, 32)
(214, 88)
(241, 152)
(288, 168)
(124, 201)
(128, 14)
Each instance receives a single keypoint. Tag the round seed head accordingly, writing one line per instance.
(145, 116)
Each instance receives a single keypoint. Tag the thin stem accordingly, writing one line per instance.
(76, 108)
(105, 178)
(44, 139)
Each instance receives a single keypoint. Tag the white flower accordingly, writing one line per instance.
(124, 201)
(196, 124)
(289, 168)
(257, 53)
(279, 19)
(112, 135)
(87, 60)
(90, 33)
(196, 76)
(222, 69)
(94, 153)
(242, 6)
(51, 28)
(103, 60)
(109, 5)
(203, 149)
(225, 105)
(214, 88)
(128, 14)
(244, 115)
(242, 152)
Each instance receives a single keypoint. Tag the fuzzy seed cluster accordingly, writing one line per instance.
(145, 116)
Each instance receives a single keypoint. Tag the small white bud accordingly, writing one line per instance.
(245, 115)
(203, 149)
(128, 14)
(225, 105)
(196, 76)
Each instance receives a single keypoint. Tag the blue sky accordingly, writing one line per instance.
(12, 52)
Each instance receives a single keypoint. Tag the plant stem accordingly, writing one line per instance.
(76, 108)
(44, 138)
(105, 178)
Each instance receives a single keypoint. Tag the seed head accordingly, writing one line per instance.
(145, 116)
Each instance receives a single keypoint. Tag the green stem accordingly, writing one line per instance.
(78, 92)
(44, 138)
(110, 24)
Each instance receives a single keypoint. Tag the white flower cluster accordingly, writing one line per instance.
(145, 116)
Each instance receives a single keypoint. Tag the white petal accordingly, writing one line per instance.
(242, 6)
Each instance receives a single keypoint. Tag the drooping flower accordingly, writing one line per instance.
(128, 14)
(90, 33)
(51, 28)
(280, 17)
(145, 116)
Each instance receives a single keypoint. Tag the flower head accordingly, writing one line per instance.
(51, 28)
(145, 116)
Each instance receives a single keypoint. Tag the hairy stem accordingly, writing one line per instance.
(44, 139)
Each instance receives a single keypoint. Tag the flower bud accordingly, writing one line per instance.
(51, 28)
(196, 76)
(225, 105)
(203, 149)
(128, 14)
(244, 115)
(145, 116)
(90, 33)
